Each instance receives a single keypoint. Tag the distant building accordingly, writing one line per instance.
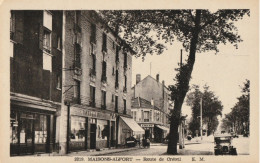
(150, 107)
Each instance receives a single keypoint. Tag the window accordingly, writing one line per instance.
(124, 106)
(40, 129)
(116, 82)
(146, 116)
(104, 69)
(103, 104)
(47, 20)
(77, 55)
(93, 33)
(117, 53)
(134, 115)
(116, 104)
(125, 87)
(14, 127)
(58, 82)
(92, 96)
(112, 98)
(77, 132)
(47, 62)
(12, 25)
(77, 91)
(125, 60)
(104, 45)
(58, 43)
(47, 41)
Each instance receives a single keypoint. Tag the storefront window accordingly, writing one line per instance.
(102, 130)
(26, 132)
(77, 128)
(40, 128)
(14, 127)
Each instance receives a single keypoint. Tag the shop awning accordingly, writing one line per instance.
(133, 125)
(163, 128)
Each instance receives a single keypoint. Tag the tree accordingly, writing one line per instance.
(211, 108)
(198, 30)
(238, 119)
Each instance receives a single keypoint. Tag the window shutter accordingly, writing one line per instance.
(19, 26)
(40, 36)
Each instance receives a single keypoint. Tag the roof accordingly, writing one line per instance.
(149, 76)
(139, 102)
(133, 125)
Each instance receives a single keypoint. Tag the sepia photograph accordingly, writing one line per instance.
(132, 84)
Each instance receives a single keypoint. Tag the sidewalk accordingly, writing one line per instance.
(103, 152)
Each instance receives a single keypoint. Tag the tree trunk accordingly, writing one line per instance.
(183, 87)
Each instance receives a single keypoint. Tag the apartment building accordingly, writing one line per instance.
(35, 80)
(150, 107)
(72, 73)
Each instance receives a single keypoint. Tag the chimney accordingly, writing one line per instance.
(138, 78)
(157, 77)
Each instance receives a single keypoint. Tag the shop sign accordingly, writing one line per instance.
(147, 125)
(93, 114)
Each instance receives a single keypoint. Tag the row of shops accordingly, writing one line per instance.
(35, 129)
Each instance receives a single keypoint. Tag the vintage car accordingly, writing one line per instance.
(223, 145)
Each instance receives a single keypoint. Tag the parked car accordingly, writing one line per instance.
(223, 145)
(131, 141)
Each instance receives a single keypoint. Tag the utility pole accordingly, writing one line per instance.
(201, 118)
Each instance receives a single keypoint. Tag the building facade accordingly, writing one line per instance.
(150, 107)
(72, 73)
(35, 80)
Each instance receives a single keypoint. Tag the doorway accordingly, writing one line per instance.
(92, 136)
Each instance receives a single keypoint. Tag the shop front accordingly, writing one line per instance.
(91, 129)
(31, 130)
(127, 128)
(160, 133)
(149, 130)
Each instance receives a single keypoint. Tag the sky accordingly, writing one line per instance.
(223, 72)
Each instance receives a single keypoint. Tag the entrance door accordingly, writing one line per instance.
(147, 134)
(26, 134)
(92, 136)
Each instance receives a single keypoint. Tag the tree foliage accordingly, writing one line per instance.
(147, 31)
(238, 119)
(211, 108)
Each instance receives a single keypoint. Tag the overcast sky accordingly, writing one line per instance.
(223, 72)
